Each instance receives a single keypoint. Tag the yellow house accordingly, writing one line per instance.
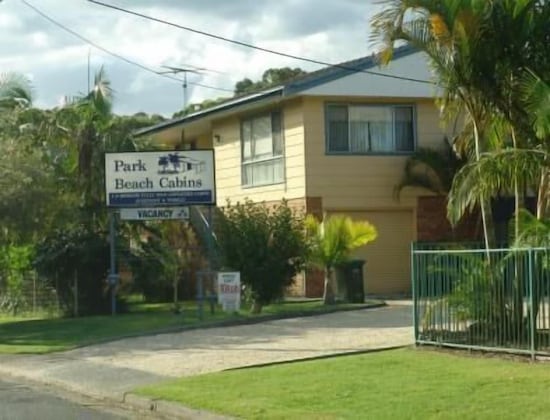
(333, 141)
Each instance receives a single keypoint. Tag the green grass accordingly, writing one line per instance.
(24, 335)
(400, 384)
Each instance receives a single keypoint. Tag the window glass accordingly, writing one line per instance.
(262, 145)
(370, 129)
(338, 128)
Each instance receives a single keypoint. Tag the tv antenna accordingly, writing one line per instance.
(184, 70)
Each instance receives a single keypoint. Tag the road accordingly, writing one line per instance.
(23, 402)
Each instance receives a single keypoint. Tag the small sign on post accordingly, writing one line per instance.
(229, 291)
(155, 213)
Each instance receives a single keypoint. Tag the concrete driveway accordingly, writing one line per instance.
(120, 366)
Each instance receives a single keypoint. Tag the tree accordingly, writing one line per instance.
(266, 245)
(481, 52)
(270, 77)
(15, 90)
(332, 242)
(451, 34)
(431, 169)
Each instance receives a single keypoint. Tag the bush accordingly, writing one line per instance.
(266, 245)
(15, 266)
(81, 252)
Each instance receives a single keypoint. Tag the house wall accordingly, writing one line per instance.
(359, 182)
(363, 187)
(228, 159)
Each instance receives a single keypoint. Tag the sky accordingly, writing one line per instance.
(56, 62)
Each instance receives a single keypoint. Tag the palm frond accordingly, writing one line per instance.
(492, 175)
(536, 94)
(15, 89)
(336, 237)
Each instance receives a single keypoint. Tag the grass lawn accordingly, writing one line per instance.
(23, 335)
(399, 384)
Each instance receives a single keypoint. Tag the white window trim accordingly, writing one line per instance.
(281, 157)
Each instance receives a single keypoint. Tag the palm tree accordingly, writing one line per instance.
(431, 169)
(15, 90)
(451, 34)
(88, 116)
(332, 242)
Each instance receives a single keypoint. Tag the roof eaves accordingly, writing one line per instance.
(232, 103)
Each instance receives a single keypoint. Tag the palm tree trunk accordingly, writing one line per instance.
(542, 194)
(516, 191)
(482, 204)
(328, 292)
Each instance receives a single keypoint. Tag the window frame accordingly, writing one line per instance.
(392, 105)
(280, 157)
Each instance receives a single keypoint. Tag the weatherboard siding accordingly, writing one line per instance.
(228, 160)
(361, 182)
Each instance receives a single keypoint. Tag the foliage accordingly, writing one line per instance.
(270, 78)
(431, 169)
(151, 271)
(482, 180)
(76, 254)
(266, 245)
(207, 103)
(15, 91)
(15, 265)
(533, 231)
(489, 59)
(331, 243)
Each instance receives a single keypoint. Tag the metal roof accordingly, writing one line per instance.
(292, 87)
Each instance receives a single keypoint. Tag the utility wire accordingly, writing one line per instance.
(255, 47)
(113, 54)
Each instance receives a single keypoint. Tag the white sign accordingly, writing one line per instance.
(155, 213)
(229, 291)
(160, 179)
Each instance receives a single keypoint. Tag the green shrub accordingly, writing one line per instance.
(266, 245)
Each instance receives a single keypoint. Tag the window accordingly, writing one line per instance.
(262, 150)
(361, 129)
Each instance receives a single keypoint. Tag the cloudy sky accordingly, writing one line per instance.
(56, 61)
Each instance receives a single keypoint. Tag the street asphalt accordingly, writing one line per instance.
(22, 402)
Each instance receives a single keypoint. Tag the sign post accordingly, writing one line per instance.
(113, 276)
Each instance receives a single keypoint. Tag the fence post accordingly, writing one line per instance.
(414, 293)
(532, 321)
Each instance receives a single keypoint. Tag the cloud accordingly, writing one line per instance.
(331, 31)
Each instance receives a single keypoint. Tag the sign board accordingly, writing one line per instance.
(229, 291)
(160, 179)
(155, 213)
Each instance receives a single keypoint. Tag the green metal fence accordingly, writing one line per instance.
(497, 300)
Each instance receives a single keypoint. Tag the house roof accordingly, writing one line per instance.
(292, 87)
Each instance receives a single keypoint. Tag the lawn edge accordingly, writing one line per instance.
(225, 323)
(144, 401)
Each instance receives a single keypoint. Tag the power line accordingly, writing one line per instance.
(255, 47)
(113, 54)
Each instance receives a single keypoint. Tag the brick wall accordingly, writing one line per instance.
(432, 224)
